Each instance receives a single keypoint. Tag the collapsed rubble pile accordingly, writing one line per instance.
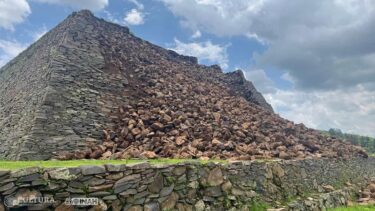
(176, 108)
(177, 114)
(367, 195)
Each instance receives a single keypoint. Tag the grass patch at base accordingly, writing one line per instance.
(355, 208)
(11, 165)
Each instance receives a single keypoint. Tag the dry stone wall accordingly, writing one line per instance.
(72, 108)
(295, 185)
(23, 85)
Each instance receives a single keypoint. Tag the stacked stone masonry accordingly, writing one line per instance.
(64, 88)
(294, 185)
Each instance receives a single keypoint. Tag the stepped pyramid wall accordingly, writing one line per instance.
(62, 91)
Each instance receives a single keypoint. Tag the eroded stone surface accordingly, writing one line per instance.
(170, 202)
(61, 174)
(215, 177)
(91, 170)
(367, 194)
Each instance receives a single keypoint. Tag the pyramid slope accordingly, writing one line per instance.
(63, 90)
(180, 111)
(23, 85)
(42, 86)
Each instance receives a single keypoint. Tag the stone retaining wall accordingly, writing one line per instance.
(191, 186)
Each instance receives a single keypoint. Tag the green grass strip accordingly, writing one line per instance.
(11, 165)
(355, 208)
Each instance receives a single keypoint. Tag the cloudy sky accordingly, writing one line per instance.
(314, 61)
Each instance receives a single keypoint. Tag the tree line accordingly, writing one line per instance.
(364, 141)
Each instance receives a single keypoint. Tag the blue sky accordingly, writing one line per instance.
(159, 26)
(313, 60)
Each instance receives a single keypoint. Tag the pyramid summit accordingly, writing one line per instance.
(66, 88)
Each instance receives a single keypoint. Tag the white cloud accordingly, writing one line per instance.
(261, 81)
(321, 44)
(256, 37)
(351, 110)
(137, 3)
(197, 34)
(110, 17)
(39, 33)
(94, 5)
(9, 49)
(287, 77)
(205, 51)
(134, 17)
(219, 17)
(326, 49)
(13, 12)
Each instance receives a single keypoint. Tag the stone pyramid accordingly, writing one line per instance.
(63, 90)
